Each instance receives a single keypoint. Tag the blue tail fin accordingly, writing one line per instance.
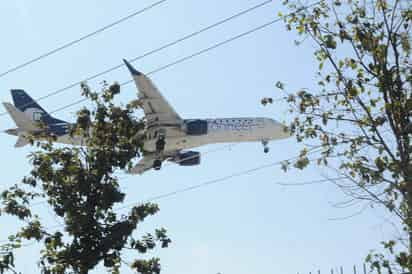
(24, 103)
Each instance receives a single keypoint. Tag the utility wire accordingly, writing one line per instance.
(200, 185)
(186, 58)
(151, 52)
(222, 179)
(82, 38)
(311, 182)
(204, 184)
(201, 52)
(176, 62)
(212, 182)
(230, 146)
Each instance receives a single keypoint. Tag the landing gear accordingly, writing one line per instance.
(265, 146)
(160, 143)
(157, 164)
(160, 147)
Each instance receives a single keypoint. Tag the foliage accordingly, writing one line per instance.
(79, 185)
(360, 112)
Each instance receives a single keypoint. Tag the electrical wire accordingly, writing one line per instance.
(210, 182)
(230, 146)
(82, 38)
(200, 185)
(173, 63)
(311, 182)
(198, 53)
(184, 59)
(204, 184)
(151, 52)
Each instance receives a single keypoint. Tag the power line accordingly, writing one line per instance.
(82, 38)
(219, 180)
(167, 164)
(214, 181)
(311, 182)
(186, 58)
(151, 52)
(200, 185)
(204, 184)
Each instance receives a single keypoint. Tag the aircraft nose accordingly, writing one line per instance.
(278, 130)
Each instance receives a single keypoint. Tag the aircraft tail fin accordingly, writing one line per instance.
(23, 101)
(21, 119)
(31, 108)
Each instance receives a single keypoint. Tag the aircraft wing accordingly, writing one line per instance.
(155, 106)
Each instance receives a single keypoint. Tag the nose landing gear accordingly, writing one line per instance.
(265, 146)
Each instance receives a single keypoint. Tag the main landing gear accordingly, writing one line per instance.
(265, 146)
(157, 164)
(160, 147)
(160, 144)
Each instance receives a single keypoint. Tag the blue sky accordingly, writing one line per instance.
(248, 224)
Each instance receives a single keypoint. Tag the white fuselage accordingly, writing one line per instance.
(226, 130)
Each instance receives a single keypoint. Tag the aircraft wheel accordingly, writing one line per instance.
(160, 144)
(157, 165)
(266, 150)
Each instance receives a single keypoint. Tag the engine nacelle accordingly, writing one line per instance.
(196, 127)
(189, 158)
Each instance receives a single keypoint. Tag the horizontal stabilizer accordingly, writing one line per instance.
(21, 119)
(21, 142)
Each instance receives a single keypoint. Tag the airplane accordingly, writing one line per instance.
(167, 135)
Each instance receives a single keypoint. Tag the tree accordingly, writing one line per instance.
(360, 112)
(79, 185)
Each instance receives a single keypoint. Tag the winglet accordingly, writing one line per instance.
(132, 70)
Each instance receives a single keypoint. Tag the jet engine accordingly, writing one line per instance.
(195, 127)
(189, 158)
